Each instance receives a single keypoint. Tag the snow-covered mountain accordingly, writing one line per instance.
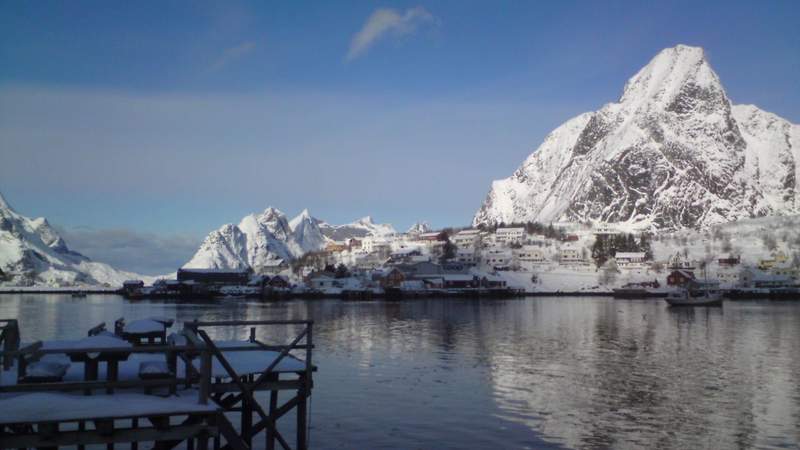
(419, 228)
(33, 253)
(262, 239)
(360, 228)
(672, 153)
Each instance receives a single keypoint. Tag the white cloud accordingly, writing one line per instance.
(233, 53)
(387, 22)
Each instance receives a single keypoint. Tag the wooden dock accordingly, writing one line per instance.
(178, 392)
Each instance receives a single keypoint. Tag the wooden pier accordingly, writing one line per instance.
(173, 393)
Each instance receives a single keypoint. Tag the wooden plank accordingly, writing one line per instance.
(64, 438)
(80, 385)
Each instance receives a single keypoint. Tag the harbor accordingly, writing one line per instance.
(525, 369)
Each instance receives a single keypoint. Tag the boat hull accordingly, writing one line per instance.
(694, 302)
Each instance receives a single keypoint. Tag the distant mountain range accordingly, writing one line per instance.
(672, 153)
(264, 239)
(33, 253)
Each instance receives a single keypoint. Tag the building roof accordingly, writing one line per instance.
(630, 255)
(468, 232)
(192, 270)
(514, 229)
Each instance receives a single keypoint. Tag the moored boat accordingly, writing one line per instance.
(697, 293)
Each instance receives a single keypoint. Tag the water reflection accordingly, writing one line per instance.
(582, 373)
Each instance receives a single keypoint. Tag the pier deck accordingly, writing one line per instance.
(198, 380)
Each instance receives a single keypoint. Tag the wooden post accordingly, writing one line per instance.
(301, 419)
(252, 334)
(205, 376)
(247, 420)
(273, 405)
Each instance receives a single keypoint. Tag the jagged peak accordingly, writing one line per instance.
(4, 204)
(366, 220)
(303, 217)
(667, 73)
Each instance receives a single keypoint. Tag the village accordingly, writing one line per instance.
(525, 259)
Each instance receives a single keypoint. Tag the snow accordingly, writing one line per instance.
(98, 341)
(672, 153)
(46, 407)
(249, 361)
(33, 254)
(154, 368)
(144, 326)
(267, 239)
(46, 369)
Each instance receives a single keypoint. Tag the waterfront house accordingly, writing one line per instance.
(570, 255)
(680, 277)
(279, 281)
(460, 281)
(218, 277)
(272, 266)
(493, 282)
(728, 260)
(321, 281)
(131, 286)
(389, 278)
(624, 259)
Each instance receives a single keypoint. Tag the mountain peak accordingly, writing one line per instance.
(668, 73)
(673, 153)
(367, 220)
(3, 203)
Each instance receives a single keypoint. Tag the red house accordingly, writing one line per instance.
(680, 277)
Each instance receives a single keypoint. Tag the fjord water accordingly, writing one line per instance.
(522, 373)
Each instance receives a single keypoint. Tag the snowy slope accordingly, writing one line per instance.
(360, 228)
(32, 253)
(261, 239)
(419, 228)
(673, 152)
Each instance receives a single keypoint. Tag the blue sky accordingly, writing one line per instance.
(171, 118)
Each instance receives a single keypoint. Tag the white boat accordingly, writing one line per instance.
(696, 293)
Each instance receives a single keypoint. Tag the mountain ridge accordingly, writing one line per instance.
(673, 152)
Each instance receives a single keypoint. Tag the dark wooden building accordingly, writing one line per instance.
(221, 277)
(680, 277)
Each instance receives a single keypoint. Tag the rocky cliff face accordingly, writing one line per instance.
(673, 152)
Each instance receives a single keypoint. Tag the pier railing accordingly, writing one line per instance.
(244, 387)
(233, 391)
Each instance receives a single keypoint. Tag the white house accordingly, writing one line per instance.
(509, 235)
(570, 255)
(467, 238)
(466, 256)
(628, 258)
(529, 254)
(498, 258)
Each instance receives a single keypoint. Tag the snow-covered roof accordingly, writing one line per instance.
(629, 255)
(468, 232)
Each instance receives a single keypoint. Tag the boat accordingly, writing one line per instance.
(696, 293)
